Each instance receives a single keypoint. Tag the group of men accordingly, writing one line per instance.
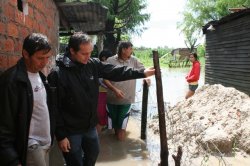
(34, 108)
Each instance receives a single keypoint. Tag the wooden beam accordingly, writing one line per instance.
(161, 113)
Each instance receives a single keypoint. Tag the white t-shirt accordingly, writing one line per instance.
(39, 132)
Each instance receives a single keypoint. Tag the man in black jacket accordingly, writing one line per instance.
(26, 117)
(77, 84)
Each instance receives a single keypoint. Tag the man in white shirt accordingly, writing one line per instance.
(26, 121)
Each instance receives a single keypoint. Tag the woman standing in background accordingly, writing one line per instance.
(193, 76)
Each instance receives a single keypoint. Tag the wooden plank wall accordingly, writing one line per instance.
(228, 55)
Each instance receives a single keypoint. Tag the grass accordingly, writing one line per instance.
(146, 57)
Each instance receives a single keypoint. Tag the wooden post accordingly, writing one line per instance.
(177, 158)
(144, 110)
(161, 113)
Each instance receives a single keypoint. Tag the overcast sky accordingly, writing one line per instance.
(162, 27)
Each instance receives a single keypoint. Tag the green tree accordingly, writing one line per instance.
(201, 50)
(124, 17)
(198, 12)
(64, 39)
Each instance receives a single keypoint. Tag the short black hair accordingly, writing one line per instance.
(105, 53)
(123, 44)
(36, 42)
(77, 39)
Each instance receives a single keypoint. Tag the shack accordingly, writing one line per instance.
(180, 53)
(53, 18)
(180, 57)
(228, 51)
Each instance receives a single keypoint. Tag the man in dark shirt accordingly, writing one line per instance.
(77, 86)
(26, 111)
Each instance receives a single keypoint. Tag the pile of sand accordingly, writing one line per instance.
(215, 120)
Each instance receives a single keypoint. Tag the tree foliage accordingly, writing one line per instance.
(124, 17)
(198, 12)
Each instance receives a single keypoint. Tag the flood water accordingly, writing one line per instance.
(131, 152)
(134, 151)
(174, 88)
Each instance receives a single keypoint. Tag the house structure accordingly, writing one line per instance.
(53, 18)
(180, 57)
(180, 53)
(228, 51)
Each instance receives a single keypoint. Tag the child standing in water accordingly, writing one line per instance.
(193, 76)
(102, 99)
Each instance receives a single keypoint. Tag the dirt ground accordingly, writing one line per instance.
(213, 127)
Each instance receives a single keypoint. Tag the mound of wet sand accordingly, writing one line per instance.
(215, 120)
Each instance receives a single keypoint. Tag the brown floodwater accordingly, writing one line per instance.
(136, 152)
(131, 152)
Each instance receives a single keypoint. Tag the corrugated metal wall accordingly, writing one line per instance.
(228, 54)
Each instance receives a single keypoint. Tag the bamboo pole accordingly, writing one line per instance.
(144, 110)
(162, 123)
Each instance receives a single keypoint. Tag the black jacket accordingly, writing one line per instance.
(77, 86)
(16, 103)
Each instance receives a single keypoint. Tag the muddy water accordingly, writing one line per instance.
(174, 89)
(133, 151)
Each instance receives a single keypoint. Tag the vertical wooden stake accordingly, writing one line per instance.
(144, 110)
(177, 158)
(161, 113)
